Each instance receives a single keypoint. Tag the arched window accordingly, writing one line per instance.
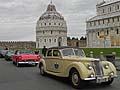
(51, 32)
(45, 40)
(118, 19)
(103, 10)
(98, 33)
(50, 40)
(113, 19)
(110, 9)
(117, 7)
(59, 23)
(117, 31)
(107, 32)
(54, 40)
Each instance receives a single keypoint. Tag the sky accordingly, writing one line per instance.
(18, 18)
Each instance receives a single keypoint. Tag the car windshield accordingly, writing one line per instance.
(10, 52)
(26, 52)
(73, 52)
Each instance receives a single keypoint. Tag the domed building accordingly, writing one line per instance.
(51, 29)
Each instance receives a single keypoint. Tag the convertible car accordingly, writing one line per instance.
(25, 57)
(72, 63)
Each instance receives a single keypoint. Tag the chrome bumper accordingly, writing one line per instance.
(99, 79)
(28, 62)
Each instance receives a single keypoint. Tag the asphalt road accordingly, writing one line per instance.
(28, 78)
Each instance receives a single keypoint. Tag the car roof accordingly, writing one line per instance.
(63, 47)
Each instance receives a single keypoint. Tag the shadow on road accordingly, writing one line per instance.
(89, 85)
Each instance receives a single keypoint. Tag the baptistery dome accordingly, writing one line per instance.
(51, 13)
(51, 29)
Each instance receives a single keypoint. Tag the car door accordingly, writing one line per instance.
(57, 62)
(48, 60)
(54, 61)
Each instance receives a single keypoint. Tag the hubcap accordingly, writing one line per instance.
(75, 79)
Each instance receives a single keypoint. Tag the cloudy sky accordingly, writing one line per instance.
(18, 17)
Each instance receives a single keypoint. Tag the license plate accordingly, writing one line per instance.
(99, 80)
(30, 62)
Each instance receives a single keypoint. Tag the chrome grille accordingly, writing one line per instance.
(98, 68)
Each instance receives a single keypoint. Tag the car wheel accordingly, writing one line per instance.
(42, 72)
(75, 79)
(108, 82)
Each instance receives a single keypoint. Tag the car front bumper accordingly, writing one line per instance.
(30, 62)
(100, 79)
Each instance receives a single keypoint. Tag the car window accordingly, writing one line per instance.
(79, 52)
(67, 52)
(56, 53)
(49, 53)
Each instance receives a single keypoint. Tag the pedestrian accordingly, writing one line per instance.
(44, 50)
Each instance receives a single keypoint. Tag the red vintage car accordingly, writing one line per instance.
(25, 57)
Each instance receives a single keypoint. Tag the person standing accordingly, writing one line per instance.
(44, 50)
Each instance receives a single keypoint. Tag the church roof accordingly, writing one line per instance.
(51, 13)
(109, 2)
(104, 16)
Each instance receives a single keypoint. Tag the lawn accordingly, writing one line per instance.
(96, 51)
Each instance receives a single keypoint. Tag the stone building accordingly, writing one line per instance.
(17, 44)
(51, 29)
(75, 42)
(103, 30)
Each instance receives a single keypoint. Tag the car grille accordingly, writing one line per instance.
(98, 68)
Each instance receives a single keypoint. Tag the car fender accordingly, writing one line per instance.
(111, 66)
(80, 67)
(42, 61)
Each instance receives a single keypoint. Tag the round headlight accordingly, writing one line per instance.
(91, 75)
(112, 73)
(106, 66)
(89, 67)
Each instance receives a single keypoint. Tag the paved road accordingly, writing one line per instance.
(28, 78)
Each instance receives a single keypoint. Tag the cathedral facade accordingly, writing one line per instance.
(103, 30)
(51, 29)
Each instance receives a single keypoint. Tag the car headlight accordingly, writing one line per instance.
(89, 67)
(112, 73)
(92, 75)
(106, 66)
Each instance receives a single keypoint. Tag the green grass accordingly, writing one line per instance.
(96, 51)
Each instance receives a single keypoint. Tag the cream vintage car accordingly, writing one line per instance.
(71, 62)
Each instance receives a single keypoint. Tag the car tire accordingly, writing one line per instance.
(108, 82)
(75, 79)
(42, 72)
